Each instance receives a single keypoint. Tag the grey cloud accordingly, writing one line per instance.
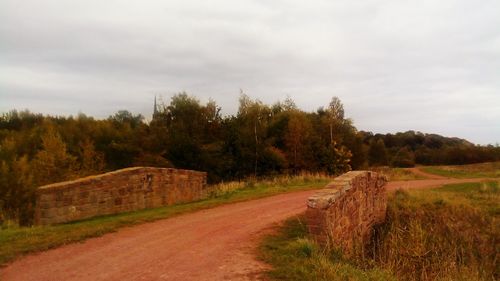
(397, 65)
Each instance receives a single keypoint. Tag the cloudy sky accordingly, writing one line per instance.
(432, 66)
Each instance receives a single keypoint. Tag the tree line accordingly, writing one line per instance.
(259, 140)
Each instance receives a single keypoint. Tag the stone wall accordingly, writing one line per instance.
(115, 192)
(342, 215)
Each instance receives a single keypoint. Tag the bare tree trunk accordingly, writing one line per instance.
(331, 132)
(295, 159)
(256, 144)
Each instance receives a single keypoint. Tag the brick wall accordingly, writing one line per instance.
(115, 192)
(342, 215)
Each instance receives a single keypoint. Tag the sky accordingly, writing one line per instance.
(429, 66)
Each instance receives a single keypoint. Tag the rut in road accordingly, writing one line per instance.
(213, 244)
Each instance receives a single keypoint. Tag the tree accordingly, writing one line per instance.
(359, 150)
(403, 158)
(340, 159)
(254, 119)
(296, 139)
(193, 133)
(124, 116)
(213, 120)
(91, 161)
(18, 190)
(16, 184)
(335, 113)
(377, 153)
(289, 104)
(185, 122)
(53, 163)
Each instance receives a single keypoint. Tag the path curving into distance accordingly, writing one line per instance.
(431, 181)
(212, 244)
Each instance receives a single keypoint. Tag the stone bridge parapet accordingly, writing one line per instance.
(343, 214)
(118, 191)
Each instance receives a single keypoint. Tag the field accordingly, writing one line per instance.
(482, 170)
(16, 241)
(449, 233)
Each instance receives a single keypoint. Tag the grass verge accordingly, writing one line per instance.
(449, 233)
(397, 174)
(482, 170)
(16, 241)
(294, 256)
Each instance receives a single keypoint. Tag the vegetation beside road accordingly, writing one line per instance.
(448, 233)
(481, 170)
(294, 256)
(397, 174)
(16, 241)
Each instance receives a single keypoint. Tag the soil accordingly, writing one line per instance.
(213, 244)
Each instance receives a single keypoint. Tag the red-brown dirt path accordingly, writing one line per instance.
(213, 244)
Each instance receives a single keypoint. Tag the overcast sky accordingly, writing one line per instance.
(432, 66)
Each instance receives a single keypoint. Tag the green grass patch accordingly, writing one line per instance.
(448, 233)
(16, 241)
(482, 170)
(484, 195)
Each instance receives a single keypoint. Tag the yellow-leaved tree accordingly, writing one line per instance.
(53, 163)
(91, 161)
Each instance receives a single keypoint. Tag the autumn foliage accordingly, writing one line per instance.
(259, 140)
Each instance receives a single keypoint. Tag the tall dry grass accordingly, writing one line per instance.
(397, 174)
(448, 234)
(279, 181)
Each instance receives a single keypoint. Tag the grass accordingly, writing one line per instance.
(397, 174)
(16, 241)
(482, 170)
(485, 196)
(449, 233)
(294, 256)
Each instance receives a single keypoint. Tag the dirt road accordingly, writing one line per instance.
(214, 244)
